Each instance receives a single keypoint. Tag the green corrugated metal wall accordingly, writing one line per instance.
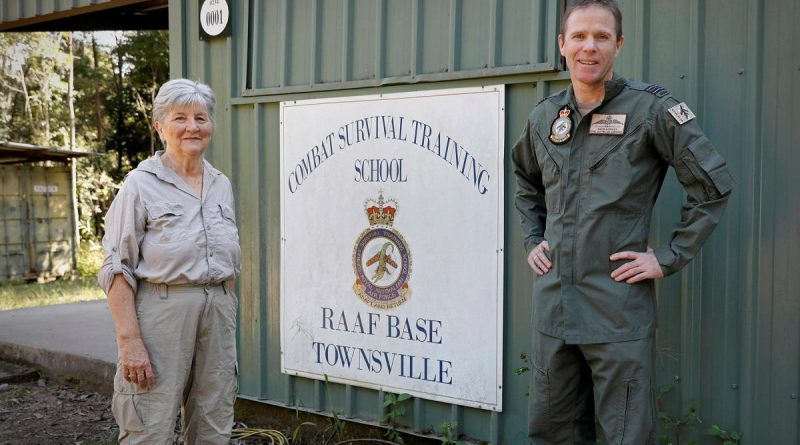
(729, 331)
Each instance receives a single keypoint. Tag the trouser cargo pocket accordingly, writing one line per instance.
(123, 407)
(124, 404)
(539, 404)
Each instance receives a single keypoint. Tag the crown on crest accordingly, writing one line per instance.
(380, 212)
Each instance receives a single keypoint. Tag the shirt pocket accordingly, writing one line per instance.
(551, 175)
(164, 222)
(615, 176)
(228, 221)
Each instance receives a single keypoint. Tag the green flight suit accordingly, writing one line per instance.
(593, 194)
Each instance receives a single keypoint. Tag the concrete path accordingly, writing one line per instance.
(75, 339)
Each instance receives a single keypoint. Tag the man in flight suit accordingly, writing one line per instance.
(589, 165)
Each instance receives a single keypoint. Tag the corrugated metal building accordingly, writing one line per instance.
(729, 337)
(37, 224)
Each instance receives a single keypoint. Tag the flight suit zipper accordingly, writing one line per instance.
(599, 163)
(549, 155)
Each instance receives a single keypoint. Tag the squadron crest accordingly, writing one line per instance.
(561, 129)
(381, 258)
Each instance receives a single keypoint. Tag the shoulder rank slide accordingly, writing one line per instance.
(657, 90)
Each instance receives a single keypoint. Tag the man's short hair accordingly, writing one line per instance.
(610, 5)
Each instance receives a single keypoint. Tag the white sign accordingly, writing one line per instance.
(43, 188)
(392, 242)
(214, 18)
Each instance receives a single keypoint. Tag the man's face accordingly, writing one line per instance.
(590, 46)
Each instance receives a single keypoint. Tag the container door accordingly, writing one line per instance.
(50, 221)
(14, 255)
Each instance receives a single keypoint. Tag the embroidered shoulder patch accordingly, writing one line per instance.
(658, 90)
(681, 113)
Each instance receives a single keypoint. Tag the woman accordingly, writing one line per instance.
(171, 255)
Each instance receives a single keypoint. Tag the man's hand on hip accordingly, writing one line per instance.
(643, 266)
(538, 259)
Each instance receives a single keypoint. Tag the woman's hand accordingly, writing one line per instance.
(133, 356)
(135, 363)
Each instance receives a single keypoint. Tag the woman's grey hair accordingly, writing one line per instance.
(180, 93)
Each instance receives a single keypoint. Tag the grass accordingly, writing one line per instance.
(18, 296)
(64, 290)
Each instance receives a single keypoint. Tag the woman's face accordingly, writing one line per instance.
(186, 130)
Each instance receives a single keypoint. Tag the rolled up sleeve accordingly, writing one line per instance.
(125, 227)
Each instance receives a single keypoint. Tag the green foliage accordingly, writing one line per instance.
(33, 68)
(392, 403)
(297, 433)
(449, 432)
(90, 258)
(526, 360)
(727, 438)
(116, 77)
(678, 425)
(95, 190)
(337, 424)
(523, 369)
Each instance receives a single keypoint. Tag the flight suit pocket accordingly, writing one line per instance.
(708, 168)
(615, 181)
(539, 409)
(627, 394)
(163, 222)
(551, 175)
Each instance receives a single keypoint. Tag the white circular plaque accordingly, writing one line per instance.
(214, 16)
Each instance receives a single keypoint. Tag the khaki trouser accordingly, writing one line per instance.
(573, 384)
(190, 335)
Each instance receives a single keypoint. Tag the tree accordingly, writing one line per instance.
(70, 90)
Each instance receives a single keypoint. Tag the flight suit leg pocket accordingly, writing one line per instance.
(539, 412)
(626, 411)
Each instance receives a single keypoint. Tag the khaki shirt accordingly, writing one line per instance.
(593, 195)
(159, 230)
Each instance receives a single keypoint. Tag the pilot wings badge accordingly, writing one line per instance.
(381, 258)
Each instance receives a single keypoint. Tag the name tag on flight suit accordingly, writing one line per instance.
(608, 124)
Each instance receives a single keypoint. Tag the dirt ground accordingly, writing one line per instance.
(46, 412)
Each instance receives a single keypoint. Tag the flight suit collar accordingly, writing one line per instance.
(613, 88)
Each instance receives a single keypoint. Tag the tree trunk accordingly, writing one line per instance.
(76, 238)
(46, 110)
(120, 92)
(98, 109)
(28, 110)
(71, 91)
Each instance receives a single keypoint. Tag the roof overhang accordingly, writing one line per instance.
(15, 153)
(112, 15)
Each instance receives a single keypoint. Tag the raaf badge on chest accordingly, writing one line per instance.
(561, 128)
(612, 124)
